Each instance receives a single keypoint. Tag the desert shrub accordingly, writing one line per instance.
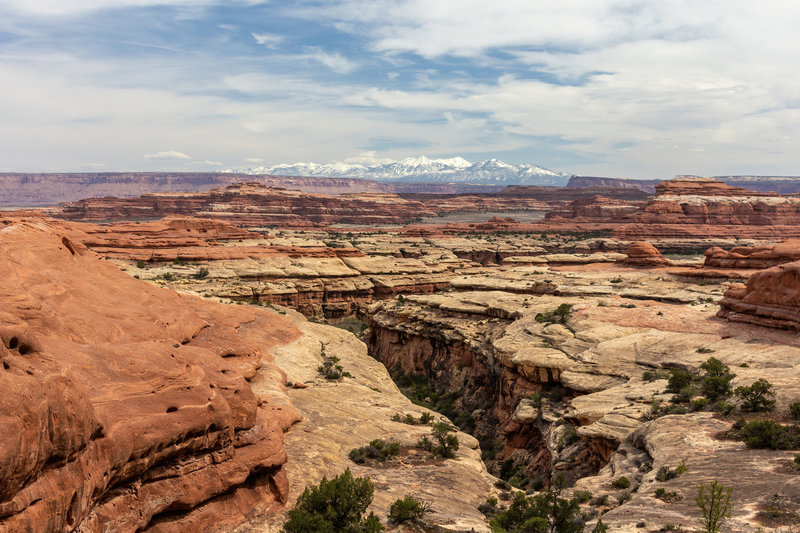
(599, 501)
(168, 276)
(335, 505)
(716, 382)
(441, 443)
(769, 434)
(568, 435)
(666, 473)
(406, 509)
(600, 527)
(330, 368)
(582, 496)
(679, 379)
(794, 410)
(202, 273)
(544, 512)
(721, 406)
(757, 397)
(699, 404)
(139, 264)
(669, 496)
(377, 450)
(536, 400)
(558, 315)
(621, 483)
(625, 496)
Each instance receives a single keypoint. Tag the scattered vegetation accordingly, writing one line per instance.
(767, 434)
(556, 316)
(407, 509)
(335, 505)
(621, 483)
(669, 496)
(378, 450)
(200, 274)
(666, 473)
(424, 418)
(330, 368)
(544, 512)
(716, 383)
(794, 410)
(757, 397)
(178, 261)
(140, 264)
(654, 375)
(714, 503)
(441, 443)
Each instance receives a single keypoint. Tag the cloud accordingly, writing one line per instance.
(254, 160)
(369, 158)
(267, 39)
(208, 163)
(169, 154)
(336, 61)
(71, 7)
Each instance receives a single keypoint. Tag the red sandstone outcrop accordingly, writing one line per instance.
(770, 298)
(127, 407)
(642, 253)
(595, 209)
(755, 257)
(252, 204)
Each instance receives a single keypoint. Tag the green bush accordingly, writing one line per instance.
(716, 383)
(621, 483)
(202, 273)
(582, 496)
(794, 410)
(678, 380)
(377, 450)
(757, 397)
(337, 505)
(669, 496)
(544, 512)
(408, 508)
(666, 473)
(441, 443)
(330, 368)
(140, 264)
(558, 315)
(769, 434)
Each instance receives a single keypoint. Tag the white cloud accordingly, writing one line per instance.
(254, 160)
(208, 163)
(169, 154)
(336, 61)
(267, 39)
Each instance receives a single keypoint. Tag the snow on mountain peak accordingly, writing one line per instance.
(422, 169)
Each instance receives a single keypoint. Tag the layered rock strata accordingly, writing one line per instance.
(128, 407)
(770, 298)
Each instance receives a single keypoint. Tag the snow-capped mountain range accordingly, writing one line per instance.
(422, 169)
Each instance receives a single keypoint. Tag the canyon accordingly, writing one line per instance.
(549, 344)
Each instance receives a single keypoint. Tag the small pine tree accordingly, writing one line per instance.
(600, 527)
(714, 503)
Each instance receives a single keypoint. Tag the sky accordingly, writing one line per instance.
(636, 89)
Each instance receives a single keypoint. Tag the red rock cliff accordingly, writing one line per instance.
(124, 406)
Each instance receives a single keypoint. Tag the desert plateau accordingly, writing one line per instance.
(395, 266)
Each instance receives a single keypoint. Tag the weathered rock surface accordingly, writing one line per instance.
(128, 407)
(753, 257)
(770, 298)
(339, 416)
(642, 253)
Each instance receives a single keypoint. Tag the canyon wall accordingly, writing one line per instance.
(126, 406)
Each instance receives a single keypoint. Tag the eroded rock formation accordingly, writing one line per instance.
(128, 407)
(642, 253)
(770, 298)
